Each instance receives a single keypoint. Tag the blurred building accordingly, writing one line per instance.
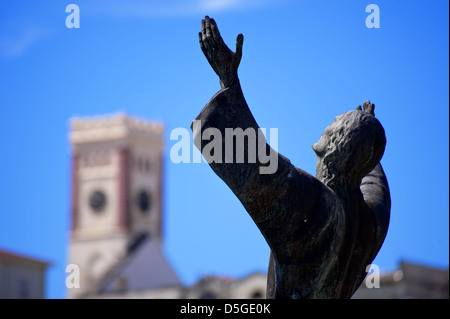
(116, 206)
(116, 233)
(21, 277)
(410, 281)
(210, 287)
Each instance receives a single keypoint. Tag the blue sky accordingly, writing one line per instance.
(304, 62)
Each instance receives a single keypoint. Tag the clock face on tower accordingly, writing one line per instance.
(97, 200)
(144, 201)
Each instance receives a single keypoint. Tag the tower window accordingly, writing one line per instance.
(141, 164)
(97, 200)
(144, 201)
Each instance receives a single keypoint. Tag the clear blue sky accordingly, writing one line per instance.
(304, 62)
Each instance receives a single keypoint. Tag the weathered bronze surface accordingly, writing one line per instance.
(323, 231)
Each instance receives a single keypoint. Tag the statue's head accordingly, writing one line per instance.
(349, 148)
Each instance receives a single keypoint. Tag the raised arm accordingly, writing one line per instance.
(255, 172)
(375, 189)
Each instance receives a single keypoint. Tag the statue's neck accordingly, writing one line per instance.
(347, 189)
(349, 194)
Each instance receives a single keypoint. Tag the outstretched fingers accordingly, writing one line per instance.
(215, 32)
(207, 34)
(205, 43)
(202, 45)
(369, 107)
(223, 61)
(206, 47)
(208, 26)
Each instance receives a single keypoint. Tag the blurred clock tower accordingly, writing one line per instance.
(116, 204)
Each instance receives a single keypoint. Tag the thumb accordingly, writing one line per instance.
(238, 53)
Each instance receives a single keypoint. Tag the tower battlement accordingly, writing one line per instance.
(112, 127)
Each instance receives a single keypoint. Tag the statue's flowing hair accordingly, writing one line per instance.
(355, 146)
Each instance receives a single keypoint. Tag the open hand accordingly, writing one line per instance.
(368, 107)
(223, 61)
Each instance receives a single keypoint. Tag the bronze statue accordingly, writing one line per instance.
(323, 231)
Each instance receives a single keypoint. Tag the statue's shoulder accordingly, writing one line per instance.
(309, 189)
